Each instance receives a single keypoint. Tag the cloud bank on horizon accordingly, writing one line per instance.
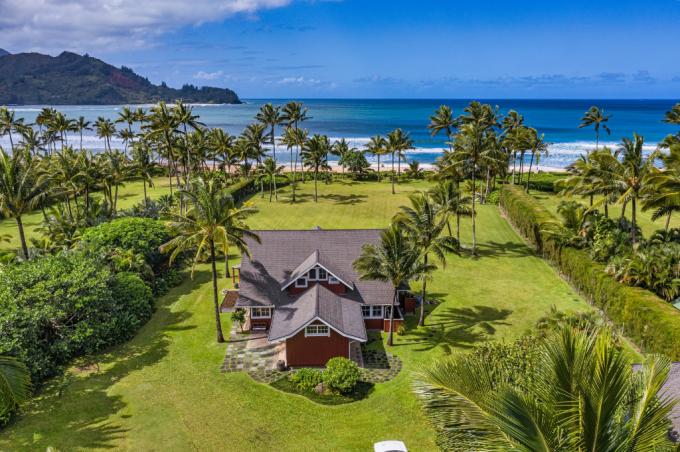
(381, 48)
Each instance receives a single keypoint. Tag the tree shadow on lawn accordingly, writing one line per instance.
(457, 328)
(507, 249)
(76, 408)
(351, 199)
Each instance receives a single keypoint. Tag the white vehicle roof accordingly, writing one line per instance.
(390, 446)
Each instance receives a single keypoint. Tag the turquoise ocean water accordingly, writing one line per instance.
(358, 119)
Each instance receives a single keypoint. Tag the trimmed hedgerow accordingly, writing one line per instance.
(647, 319)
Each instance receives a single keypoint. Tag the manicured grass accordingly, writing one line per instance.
(128, 195)
(164, 391)
(363, 389)
(644, 219)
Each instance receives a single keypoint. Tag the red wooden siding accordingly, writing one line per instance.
(397, 324)
(409, 305)
(374, 324)
(315, 350)
(338, 288)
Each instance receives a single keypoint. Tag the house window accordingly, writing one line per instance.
(260, 313)
(333, 280)
(372, 312)
(322, 275)
(301, 282)
(312, 275)
(317, 330)
(397, 314)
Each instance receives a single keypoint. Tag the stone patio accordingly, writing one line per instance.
(251, 353)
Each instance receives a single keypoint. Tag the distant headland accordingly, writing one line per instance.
(72, 79)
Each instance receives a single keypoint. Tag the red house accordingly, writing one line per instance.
(301, 287)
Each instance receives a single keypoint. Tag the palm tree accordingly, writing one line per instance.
(537, 148)
(443, 121)
(398, 142)
(662, 191)
(271, 116)
(80, 125)
(511, 123)
(596, 118)
(268, 172)
(211, 220)
(394, 260)
(105, 130)
(294, 138)
(22, 187)
(162, 125)
(673, 116)
(115, 172)
(424, 223)
(583, 396)
(451, 201)
(315, 156)
(15, 383)
(9, 124)
(30, 140)
(143, 165)
(341, 149)
(293, 114)
(377, 145)
(223, 148)
(632, 174)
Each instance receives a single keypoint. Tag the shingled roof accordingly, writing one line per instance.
(318, 303)
(274, 261)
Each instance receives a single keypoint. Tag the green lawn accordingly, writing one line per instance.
(644, 219)
(129, 195)
(164, 391)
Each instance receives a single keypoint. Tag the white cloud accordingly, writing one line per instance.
(299, 81)
(201, 75)
(86, 25)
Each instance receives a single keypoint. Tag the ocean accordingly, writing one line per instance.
(358, 119)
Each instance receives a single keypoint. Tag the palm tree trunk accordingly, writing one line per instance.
(634, 223)
(226, 264)
(448, 227)
(22, 236)
(378, 167)
(474, 226)
(218, 324)
(276, 193)
(668, 221)
(393, 173)
(606, 210)
(514, 165)
(81, 139)
(115, 199)
(531, 163)
(390, 342)
(423, 292)
(146, 200)
(316, 194)
(488, 182)
(458, 227)
(295, 175)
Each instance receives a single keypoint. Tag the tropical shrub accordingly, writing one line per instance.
(242, 189)
(545, 181)
(57, 307)
(341, 375)
(306, 379)
(644, 317)
(355, 162)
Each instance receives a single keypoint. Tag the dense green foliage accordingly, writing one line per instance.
(652, 323)
(306, 379)
(71, 79)
(341, 375)
(58, 307)
(545, 181)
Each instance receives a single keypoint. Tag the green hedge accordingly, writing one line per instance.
(649, 321)
(543, 181)
(242, 189)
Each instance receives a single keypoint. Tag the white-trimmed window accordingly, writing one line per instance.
(301, 282)
(372, 312)
(333, 280)
(312, 275)
(397, 314)
(317, 330)
(260, 313)
(322, 275)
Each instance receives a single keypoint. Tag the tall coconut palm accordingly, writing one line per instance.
(293, 113)
(424, 223)
(294, 138)
(394, 260)
(31, 140)
(633, 174)
(538, 147)
(673, 115)
(377, 145)
(186, 118)
(127, 116)
(341, 149)
(222, 145)
(399, 142)
(582, 396)
(9, 124)
(106, 129)
(271, 116)
(22, 187)
(315, 156)
(81, 125)
(15, 383)
(597, 119)
(451, 201)
(268, 172)
(662, 187)
(443, 121)
(212, 220)
(162, 126)
(143, 165)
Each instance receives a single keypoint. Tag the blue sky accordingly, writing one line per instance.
(372, 48)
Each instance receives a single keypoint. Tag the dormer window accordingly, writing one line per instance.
(333, 280)
(301, 282)
(321, 274)
(312, 274)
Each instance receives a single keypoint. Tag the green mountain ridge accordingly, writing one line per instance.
(72, 79)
